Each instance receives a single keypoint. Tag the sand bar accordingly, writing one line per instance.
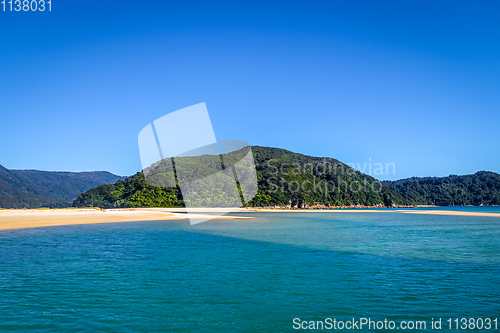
(376, 210)
(336, 210)
(449, 212)
(31, 218)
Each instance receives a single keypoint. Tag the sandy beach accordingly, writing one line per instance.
(354, 210)
(31, 218)
(449, 212)
(375, 210)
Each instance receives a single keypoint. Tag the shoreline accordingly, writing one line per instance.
(34, 218)
(449, 213)
(322, 207)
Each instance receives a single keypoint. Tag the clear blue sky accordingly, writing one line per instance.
(414, 83)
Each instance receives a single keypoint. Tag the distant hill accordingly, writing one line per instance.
(481, 188)
(34, 189)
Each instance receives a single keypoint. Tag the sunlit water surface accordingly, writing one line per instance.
(249, 275)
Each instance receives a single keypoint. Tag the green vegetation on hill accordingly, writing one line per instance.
(284, 176)
(290, 179)
(481, 188)
(284, 179)
(134, 191)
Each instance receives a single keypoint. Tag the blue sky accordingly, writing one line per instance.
(414, 83)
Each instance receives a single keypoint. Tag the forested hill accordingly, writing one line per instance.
(34, 189)
(284, 179)
(481, 188)
(288, 179)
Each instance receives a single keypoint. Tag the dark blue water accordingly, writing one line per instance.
(249, 276)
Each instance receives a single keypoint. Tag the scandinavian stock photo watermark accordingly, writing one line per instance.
(325, 177)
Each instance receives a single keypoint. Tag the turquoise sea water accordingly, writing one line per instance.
(250, 276)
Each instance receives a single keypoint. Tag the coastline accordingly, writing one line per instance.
(323, 207)
(33, 218)
(449, 213)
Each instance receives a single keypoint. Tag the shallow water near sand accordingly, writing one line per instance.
(250, 275)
